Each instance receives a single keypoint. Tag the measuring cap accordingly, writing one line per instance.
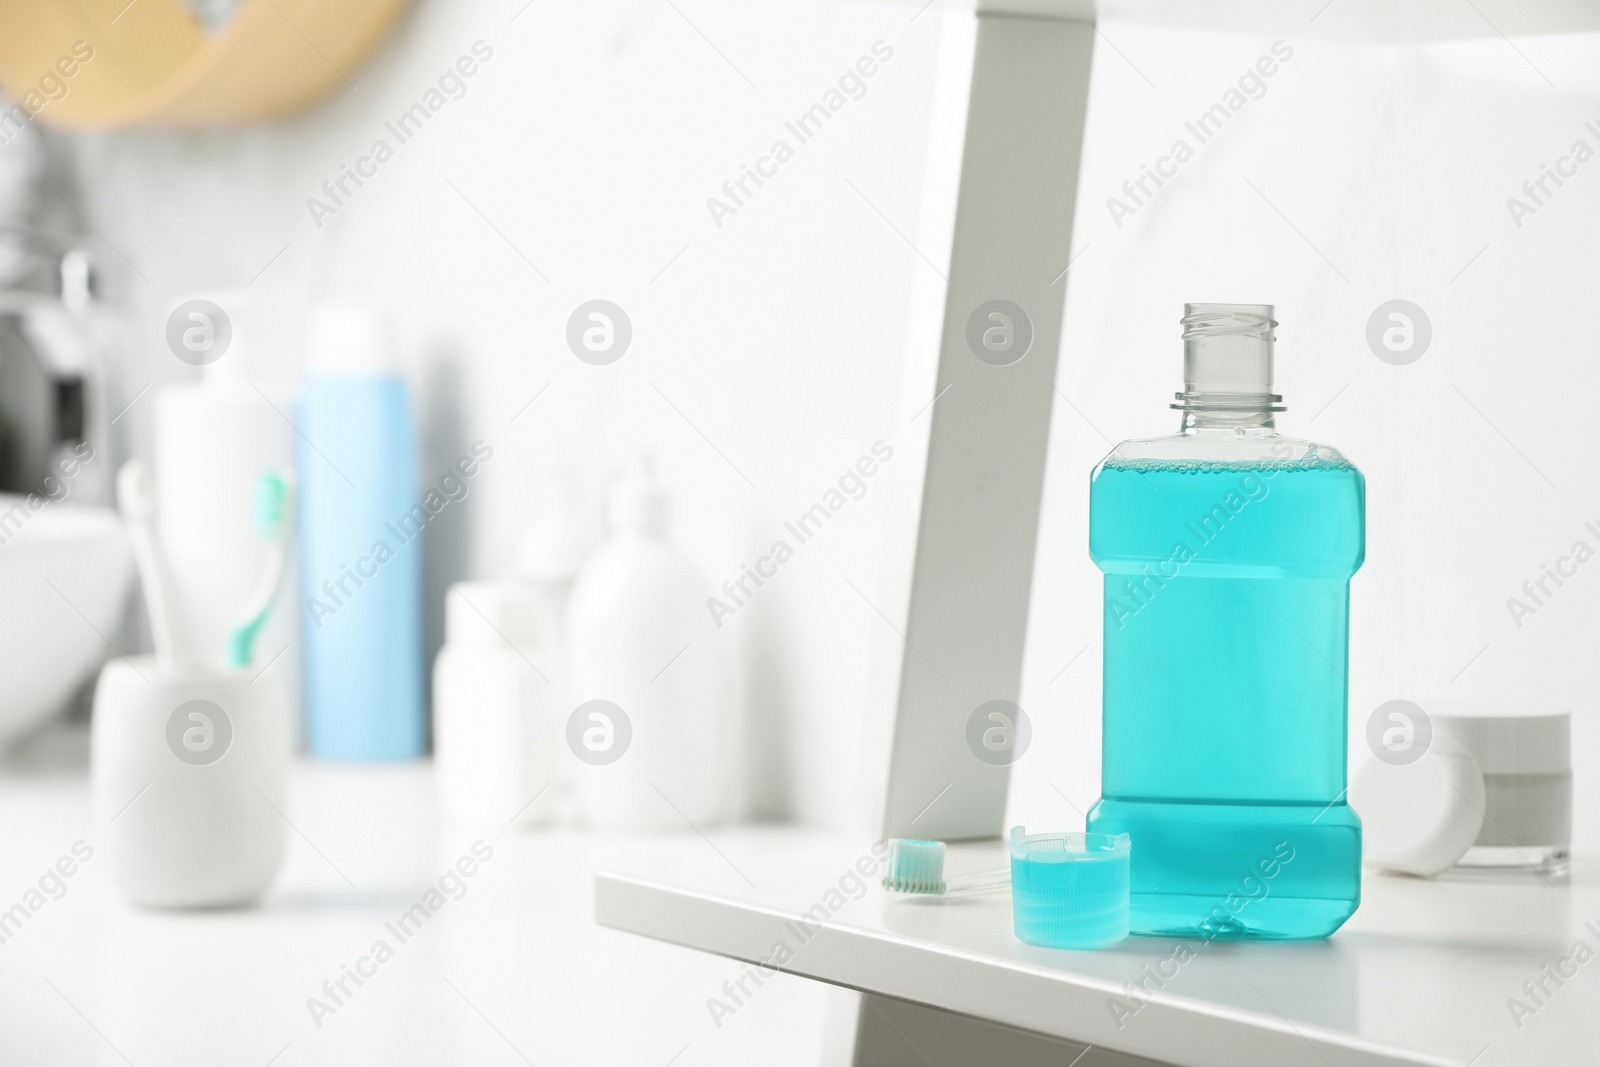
(1069, 890)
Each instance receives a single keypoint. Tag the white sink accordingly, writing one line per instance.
(65, 571)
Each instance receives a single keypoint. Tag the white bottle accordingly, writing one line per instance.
(496, 717)
(551, 547)
(649, 729)
(500, 691)
(211, 440)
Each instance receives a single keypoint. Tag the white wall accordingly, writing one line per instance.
(1395, 165)
(592, 139)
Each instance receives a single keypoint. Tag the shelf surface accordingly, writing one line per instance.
(1424, 973)
(512, 972)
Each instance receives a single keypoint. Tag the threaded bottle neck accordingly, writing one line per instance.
(1227, 367)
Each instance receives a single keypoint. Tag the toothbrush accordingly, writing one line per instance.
(136, 499)
(274, 522)
(918, 867)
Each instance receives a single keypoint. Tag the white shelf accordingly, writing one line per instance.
(1421, 974)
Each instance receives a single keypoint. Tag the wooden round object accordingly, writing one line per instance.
(109, 63)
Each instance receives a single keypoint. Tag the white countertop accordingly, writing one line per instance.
(1421, 974)
(515, 971)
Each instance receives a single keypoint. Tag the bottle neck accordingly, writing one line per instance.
(1259, 420)
(1227, 369)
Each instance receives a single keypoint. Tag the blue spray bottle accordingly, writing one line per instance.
(1228, 550)
(361, 561)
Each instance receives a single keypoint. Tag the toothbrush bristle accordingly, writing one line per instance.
(914, 866)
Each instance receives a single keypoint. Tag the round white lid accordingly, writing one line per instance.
(1508, 738)
(1420, 817)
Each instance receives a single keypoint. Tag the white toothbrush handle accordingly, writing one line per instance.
(136, 502)
(266, 591)
(973, 884)
(152, 576)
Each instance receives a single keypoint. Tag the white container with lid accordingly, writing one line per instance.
(1419, 816)
(1490, 790)
(1525, 756)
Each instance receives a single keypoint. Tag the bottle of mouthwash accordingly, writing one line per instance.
(1227, 550)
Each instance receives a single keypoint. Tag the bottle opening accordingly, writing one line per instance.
(1227, 361)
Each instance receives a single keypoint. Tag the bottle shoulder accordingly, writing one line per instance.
(1227, 449)
(1291, 508)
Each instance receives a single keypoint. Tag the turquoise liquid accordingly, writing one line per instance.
(1227, 616)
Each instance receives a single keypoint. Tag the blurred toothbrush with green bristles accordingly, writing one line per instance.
(274, 521)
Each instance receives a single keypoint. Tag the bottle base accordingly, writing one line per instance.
(1237, 872)
(1297, 919)
(1508, 862)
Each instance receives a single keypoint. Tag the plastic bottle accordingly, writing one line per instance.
(1228, 551)
(500, 688)
(362, 523)
(211, 441)
(639, 640)
(497, 726)
(551, 549)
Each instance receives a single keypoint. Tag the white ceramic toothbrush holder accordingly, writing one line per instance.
(189, 767)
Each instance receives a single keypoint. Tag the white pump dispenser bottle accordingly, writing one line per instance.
(646, 674)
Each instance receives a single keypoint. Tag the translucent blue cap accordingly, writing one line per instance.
(1069, 890)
